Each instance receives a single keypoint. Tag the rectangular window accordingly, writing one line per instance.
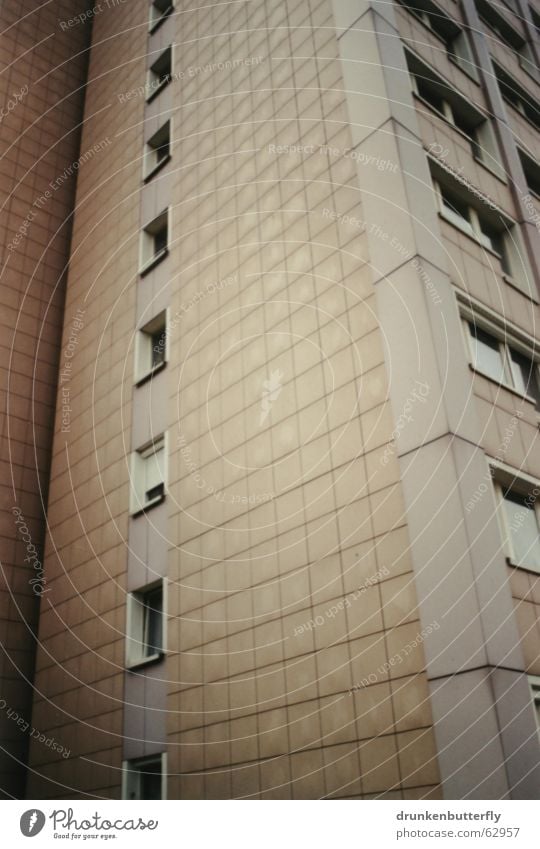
(487, 353)
(498, 354)
(517, 96)
(458, 206)
(518, 511)
(145, 632)
(457, 111)
(531, 171)
(151, 347)
(154, 241)
(159, 11)
(507, 34)
(148, 475)
(523, 528)
(159, 73)
(145, 778)
(447, 29)
(525, 375)
(157, 150)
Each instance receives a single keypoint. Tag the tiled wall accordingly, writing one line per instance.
(43, 69)
(277, 522)
(296, 599)
(289, 576)
(79, 679)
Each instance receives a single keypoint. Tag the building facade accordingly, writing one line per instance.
(292, 542)
(42, 78)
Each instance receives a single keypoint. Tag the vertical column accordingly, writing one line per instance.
(145, 692)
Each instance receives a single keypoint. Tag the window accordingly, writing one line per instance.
(154, 241)
(447, 29)
(487, 353)
(145, 778)
(456, 110)
(159, 73)
(159, 10)
(456, 208)
(145, 632)
(534, 682)
(522, 526)
(517, 96)
(148, 478)
(476, 215)
(157, 150)
(525, 375)
(151, 347)
(500, 355)
(505, 32)
(531, 170)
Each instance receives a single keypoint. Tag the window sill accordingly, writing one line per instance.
(156, 168)
(523, 566)
(145, 661)
(150, 374)
(156, 25)
(140, 511)
(153, 262)
(502, 385)
(154, 93)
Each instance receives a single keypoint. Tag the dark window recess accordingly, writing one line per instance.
(153, 621)
(158, 348)
(160, 240)
(517, 96)
(155, 492)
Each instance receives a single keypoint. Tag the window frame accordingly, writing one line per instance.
(518, 93)
(137, 470)
(508, 338)
(426, 18)
(154, 90)
(481, 122)
(472, 227)
(146, 263)
(508, 35)
(143, 345)
(155, 23)
(128, 772)
(506, 478)
(137, 621)
(150, 172)
(528, 164)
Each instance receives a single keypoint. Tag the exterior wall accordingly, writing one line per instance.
(41, 100)
(79, 675)
(339, 623)
(274, 524)
(267, 699)
(475, 662)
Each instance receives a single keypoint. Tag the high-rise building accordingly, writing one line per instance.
(292, 537)
(42, 76)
